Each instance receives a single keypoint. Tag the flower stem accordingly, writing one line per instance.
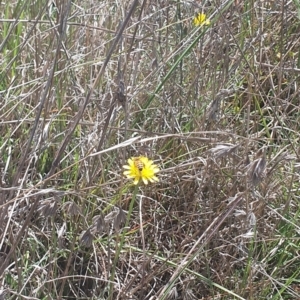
(119, 245)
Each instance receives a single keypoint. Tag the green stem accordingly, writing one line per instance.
(121, 243)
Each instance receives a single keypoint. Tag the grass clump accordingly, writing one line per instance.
(205, 112)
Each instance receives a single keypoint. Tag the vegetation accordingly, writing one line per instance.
(212, 101)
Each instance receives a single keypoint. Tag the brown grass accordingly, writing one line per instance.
(86, 85)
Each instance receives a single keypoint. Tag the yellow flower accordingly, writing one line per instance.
(200, 19)
(141, 168)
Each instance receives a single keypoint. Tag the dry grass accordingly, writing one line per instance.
(86, 85)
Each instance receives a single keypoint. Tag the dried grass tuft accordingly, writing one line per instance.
(86, 238)
(82, 91)
(98, 224)
(72, 209)
(256, 170)
(48, 207)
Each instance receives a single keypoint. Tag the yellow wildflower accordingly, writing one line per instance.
(141, 168)
(200, 19)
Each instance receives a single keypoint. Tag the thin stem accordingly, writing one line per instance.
(112, 276)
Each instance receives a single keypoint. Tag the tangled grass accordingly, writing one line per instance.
(87, 85)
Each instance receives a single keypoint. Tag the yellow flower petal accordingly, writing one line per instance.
(200, 19)
(141, 169)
